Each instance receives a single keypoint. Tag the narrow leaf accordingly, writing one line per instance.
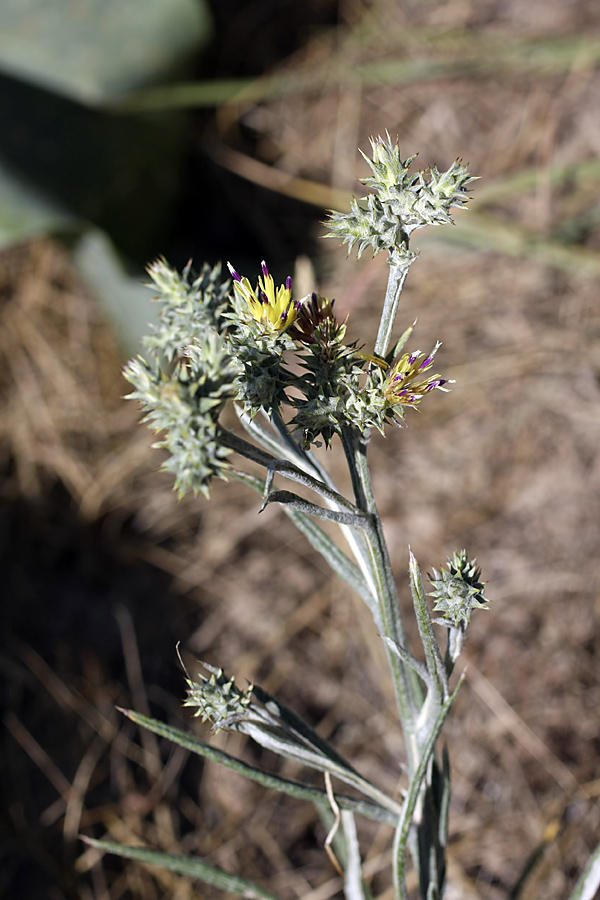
(588, 886)
(299, 726)
(355, 520)
(321, 541)
(297, 740)
(187, 865)
(412, 796)
(409, 660)
(433, 657)
(283, 444)
(274, 782)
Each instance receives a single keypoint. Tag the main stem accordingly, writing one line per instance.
(407, 687)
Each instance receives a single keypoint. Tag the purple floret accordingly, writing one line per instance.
(235, 275)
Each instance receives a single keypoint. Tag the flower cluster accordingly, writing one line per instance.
(227, 340)
(316, 322)
(400, 203)
(212, 346)
(333, 371)
(457, 590)
(190, 374)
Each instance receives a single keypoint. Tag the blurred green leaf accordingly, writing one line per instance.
(122, 297)
(480, 231)
(470, 56)
(27, 213)
(121, 173)
(96, 50)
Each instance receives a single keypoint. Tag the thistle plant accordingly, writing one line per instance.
(295, 381)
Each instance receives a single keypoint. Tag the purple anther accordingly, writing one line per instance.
(235, 275)
(298, 304)
(426, 361)
(284, 314)
(264, 297)
(332, 302)
(263, 266)
(413, 357)
(288, 283)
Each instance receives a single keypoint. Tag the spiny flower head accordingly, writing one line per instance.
(184, 402)
(405, 384)
(273, 308)
(190, 304)
(315, 320)
(217, 698)
(400, 203)
(424, 198)
(458, 590)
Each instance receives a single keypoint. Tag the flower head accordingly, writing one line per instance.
(185, 402)
(457, 590)
(315, 314)
(400, 203)
(273, 308)
(405, 384)
(218, 698)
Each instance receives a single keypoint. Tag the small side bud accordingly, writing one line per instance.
(457, 590)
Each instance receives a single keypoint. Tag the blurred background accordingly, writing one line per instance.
(223, 130)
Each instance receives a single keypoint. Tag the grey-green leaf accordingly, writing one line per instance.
(274, 782)
(187, 865)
